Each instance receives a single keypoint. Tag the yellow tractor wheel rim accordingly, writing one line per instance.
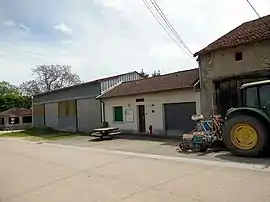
(244, 136)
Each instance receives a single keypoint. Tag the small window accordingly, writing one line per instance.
(140, 100)
(238, 56)
(118, 114)
(27, 119)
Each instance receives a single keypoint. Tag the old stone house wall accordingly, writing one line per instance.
(221, 64)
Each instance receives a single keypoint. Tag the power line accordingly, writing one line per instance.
(159, 10)
(164, 28)
(258, 14)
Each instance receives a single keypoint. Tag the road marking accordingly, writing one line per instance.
(247, 166)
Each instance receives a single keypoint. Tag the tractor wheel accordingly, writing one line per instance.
(245, 136)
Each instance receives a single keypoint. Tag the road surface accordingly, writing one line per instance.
(31, 172)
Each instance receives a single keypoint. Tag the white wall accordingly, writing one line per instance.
(155, 119)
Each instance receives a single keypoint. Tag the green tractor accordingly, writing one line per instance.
(247, 127)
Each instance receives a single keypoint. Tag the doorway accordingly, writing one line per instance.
(141, 114)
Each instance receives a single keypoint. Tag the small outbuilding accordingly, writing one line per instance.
(165, 103)
(16, 118)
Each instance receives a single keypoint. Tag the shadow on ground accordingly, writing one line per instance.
(263, 160)
(172, 141)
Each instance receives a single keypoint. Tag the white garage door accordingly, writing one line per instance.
(51, 115)
(88, 114)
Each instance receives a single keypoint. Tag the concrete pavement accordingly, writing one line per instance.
(156, 146)
(31, 172)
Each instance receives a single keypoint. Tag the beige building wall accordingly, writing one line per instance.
(152, 102)
(222, 64)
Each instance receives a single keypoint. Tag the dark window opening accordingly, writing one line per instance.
(140, 100)
(2, 121)
(27, 119)
(238, 56)
(15, 121)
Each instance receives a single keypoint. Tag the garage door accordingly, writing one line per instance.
(178, 118)
(88, 114)
(51, 115)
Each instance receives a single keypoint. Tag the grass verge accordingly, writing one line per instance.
(34, 134)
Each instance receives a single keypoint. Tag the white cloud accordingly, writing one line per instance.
(24, 27)
(9, 23)
(63, 28)
(115, 36)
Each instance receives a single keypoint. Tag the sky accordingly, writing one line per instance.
(100, 38)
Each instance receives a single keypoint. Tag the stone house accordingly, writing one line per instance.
(240, 56)
(22, 118)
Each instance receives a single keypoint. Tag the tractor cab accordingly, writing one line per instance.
(247, 127)
(256, 95)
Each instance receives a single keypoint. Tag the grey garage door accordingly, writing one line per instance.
(88, 114)
(178, 118)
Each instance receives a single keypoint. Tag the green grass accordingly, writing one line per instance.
(40, 135)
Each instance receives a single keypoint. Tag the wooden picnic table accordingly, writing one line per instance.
(109, 132)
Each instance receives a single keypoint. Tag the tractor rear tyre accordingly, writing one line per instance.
(245, 136)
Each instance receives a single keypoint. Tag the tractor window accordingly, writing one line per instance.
(252, 97)
(265, 95)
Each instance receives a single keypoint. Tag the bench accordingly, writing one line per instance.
(105, 132)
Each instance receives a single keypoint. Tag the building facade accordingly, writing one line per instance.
(238, 57)
(16, 118)
(75, 108)
(166, 103)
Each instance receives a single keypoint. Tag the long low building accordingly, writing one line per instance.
(166, 103)
(75, 108)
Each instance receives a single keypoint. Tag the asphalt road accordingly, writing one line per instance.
(31, 172)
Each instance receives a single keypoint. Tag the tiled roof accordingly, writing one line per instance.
(17, 112)
(248, 32)
(178, 80)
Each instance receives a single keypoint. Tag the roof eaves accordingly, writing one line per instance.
(203, 52)
(143, 93)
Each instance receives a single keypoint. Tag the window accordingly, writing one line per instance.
(238, 56)
(2, 122)
(265, 95)
(27, 119)
(140, 100)
(118, 114)
(252, 97)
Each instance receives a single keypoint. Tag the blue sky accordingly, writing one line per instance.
(100, 38)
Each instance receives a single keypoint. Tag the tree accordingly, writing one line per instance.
(7, 88)
(10, 97)
(144, 74)
(48, 78)
(14, 100)
(156, 73)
